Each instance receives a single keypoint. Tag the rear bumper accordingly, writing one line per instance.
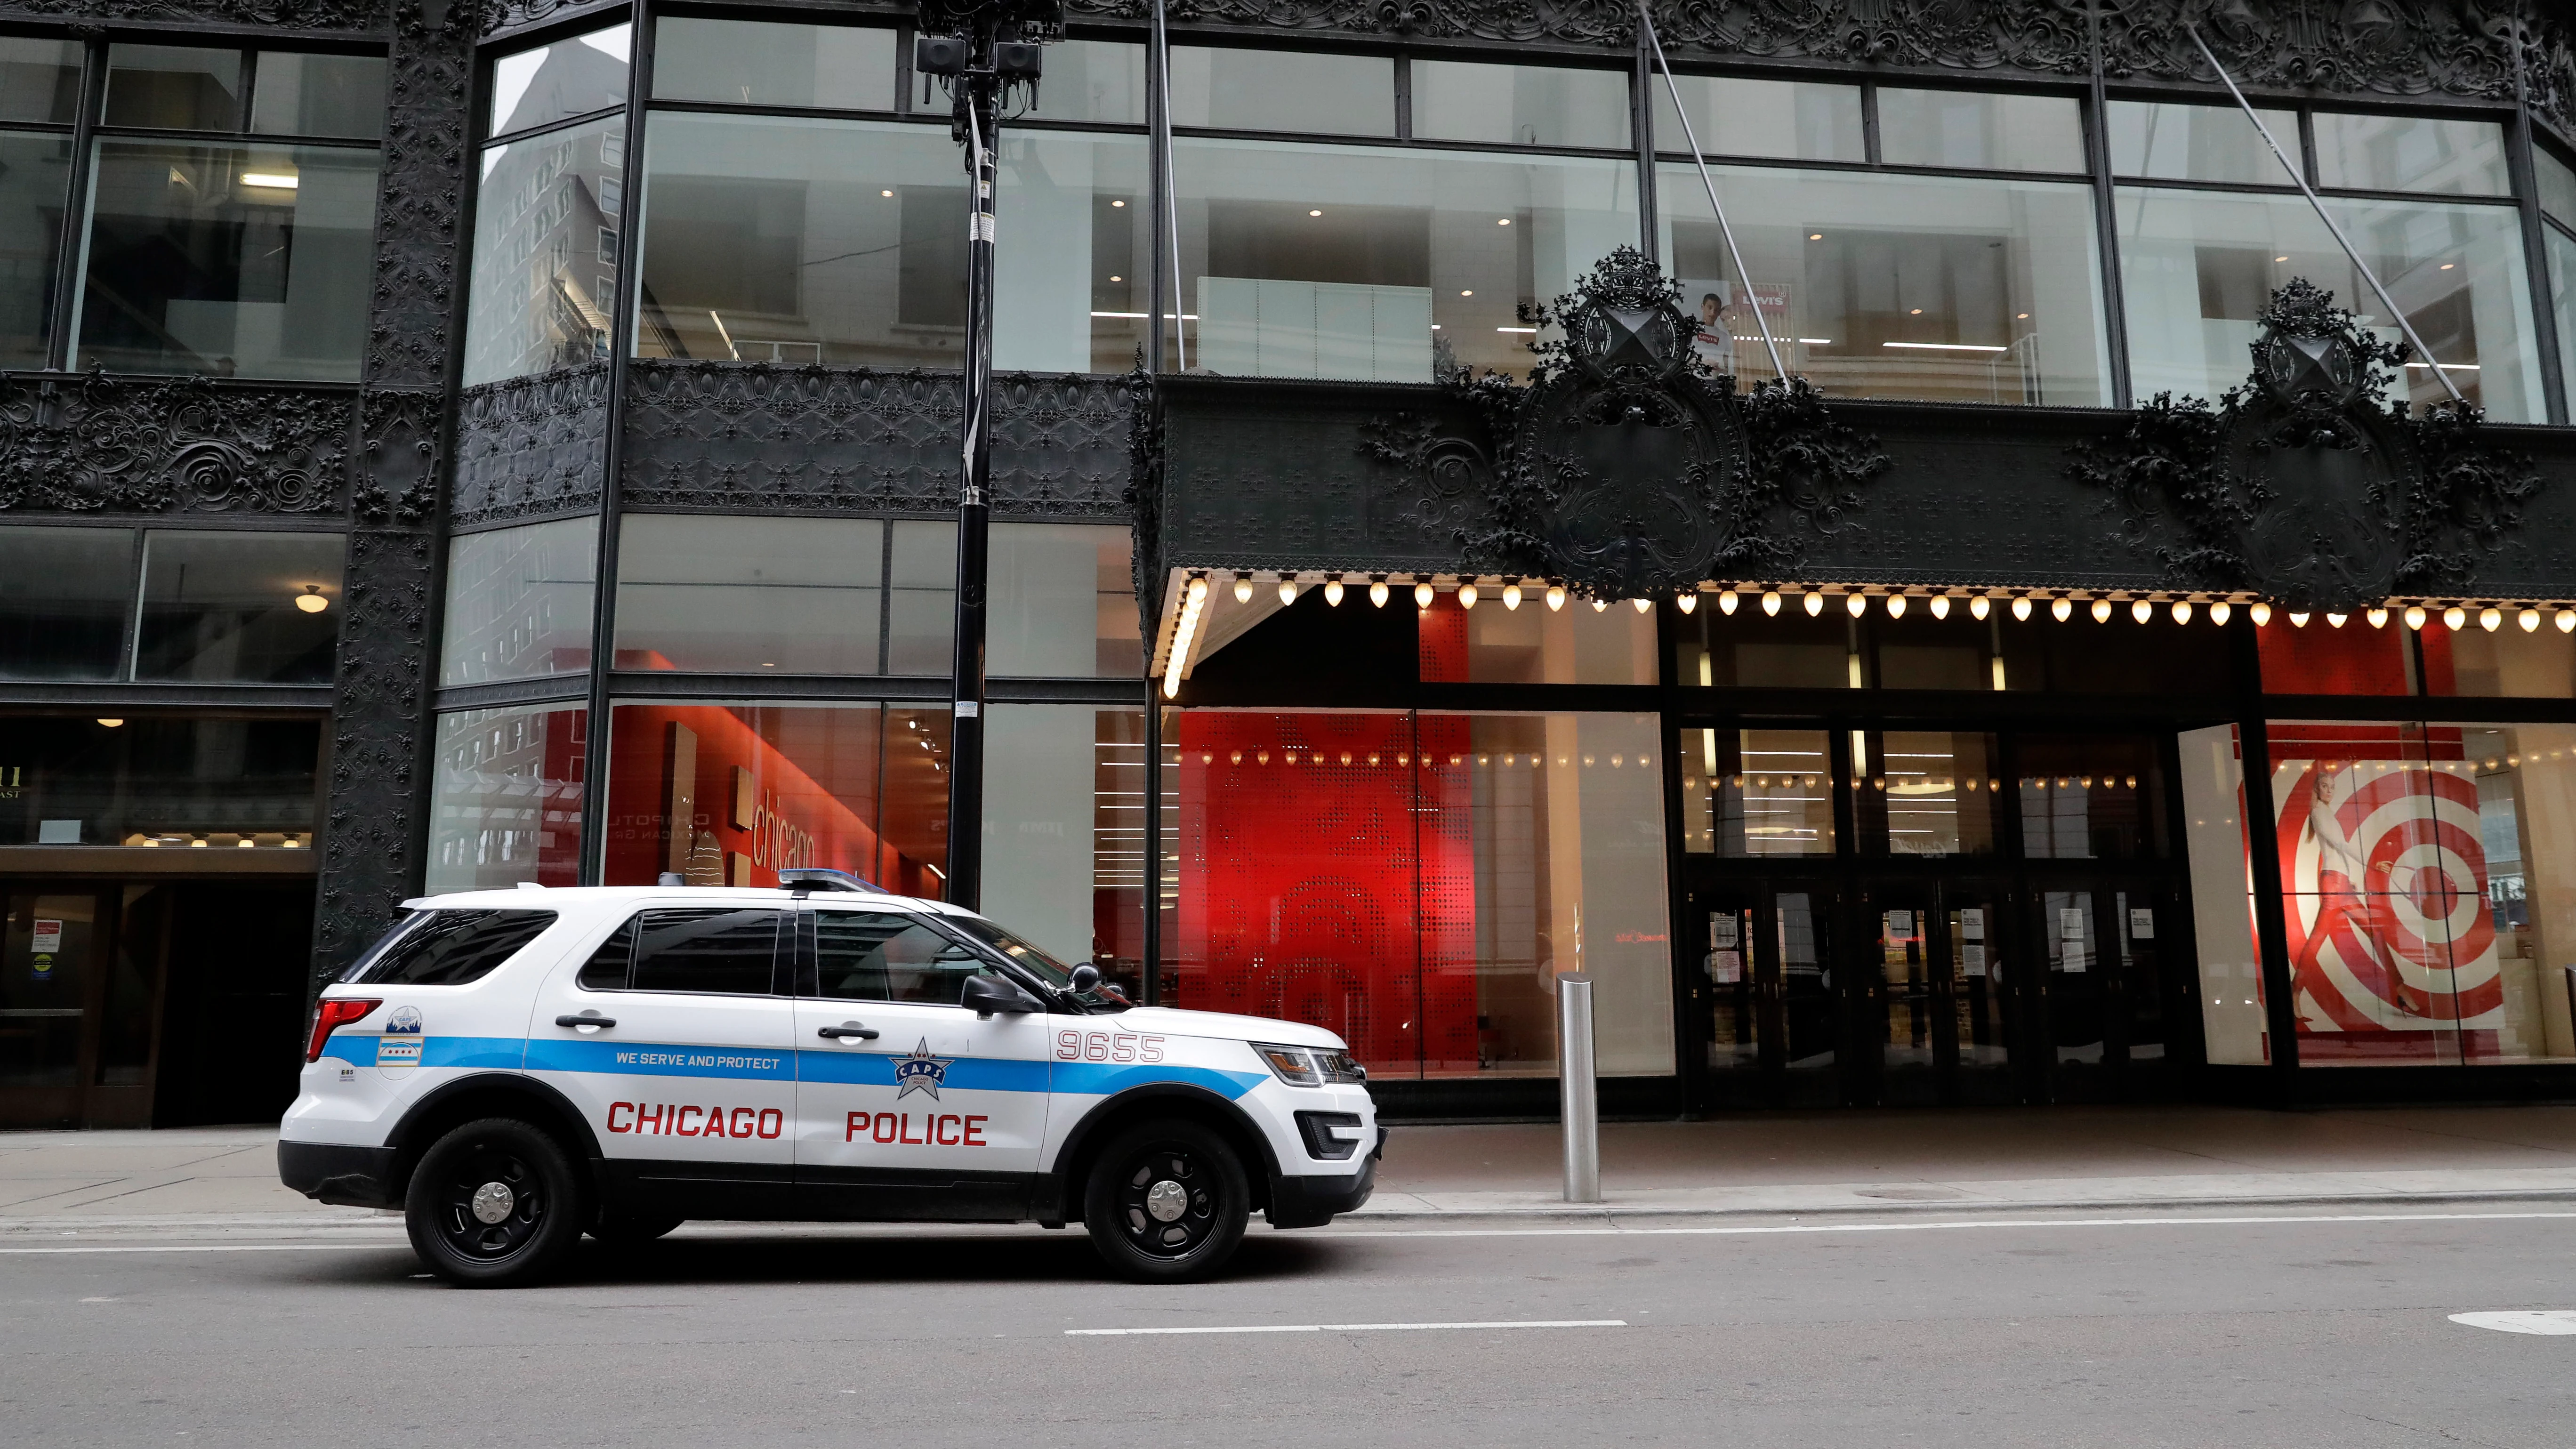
(1311, 1202)
(343, 1176)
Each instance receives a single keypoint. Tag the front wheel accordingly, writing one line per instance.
(1166, 1202)
(493, 1204)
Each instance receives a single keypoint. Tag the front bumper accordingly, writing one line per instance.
(1311, 1202)
(340, 1175)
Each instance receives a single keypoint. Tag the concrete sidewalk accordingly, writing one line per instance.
(225, 1179)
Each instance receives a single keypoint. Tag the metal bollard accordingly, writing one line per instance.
(1578, 1088)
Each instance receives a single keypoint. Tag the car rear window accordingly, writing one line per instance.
(451, 948)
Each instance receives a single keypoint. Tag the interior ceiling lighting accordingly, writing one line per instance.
(1555, 597)
(111, 724)
(1287, 589)
(1467, 594)
(1333, 592)
(1317, 212)
(1194, 602)
(2489, 617)
(2414, 616)
(1422, 594)
(275, 180)
(311, 600)
(2221, 612)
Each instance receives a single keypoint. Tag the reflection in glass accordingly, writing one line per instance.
(779, 240)
(1927, 792)
(236, 261)
(2557, 185)
(556, 82)
(65, 596)
(163, 780)
(1757, 792)
(921, 598)
(1731, 975)
(45, 1001)
(1064, 832)
(1098, 81)
(1064, 602)
(1783, 120)
(2171, 140)
(2509, 662)
(2090, 797)
(2559, 250)
(319, 95)
(770, 63)
(1802, 924)
(519, 601)
(239, 608)
(2198, 267)
(39, 79)
(2384, 152)
(2233, 1028)
(505, 800)
(1496, 644)
(545, 252)
(1903, 286)
(1282, 90)
(1980, 130)
(1519, 105)
(1751, 650)
(2071, 941)
(1910, 996)
(739, 595)
(174, 88)
(1348, 262)
(2514, 914)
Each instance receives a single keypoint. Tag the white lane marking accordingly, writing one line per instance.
(2547, 1320)
(225, 1248)
(1776, 1229)
(1349, 1327)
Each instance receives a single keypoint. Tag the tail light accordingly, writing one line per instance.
(332, 1013)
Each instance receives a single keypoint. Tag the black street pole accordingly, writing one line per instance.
(984, 49)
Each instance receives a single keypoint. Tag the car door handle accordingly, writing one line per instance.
(587, 1018)
(848, 1028)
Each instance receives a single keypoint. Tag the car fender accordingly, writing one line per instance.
(550, 1106)
(1056, 1194)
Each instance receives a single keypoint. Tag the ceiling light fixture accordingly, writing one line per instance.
(311, 600)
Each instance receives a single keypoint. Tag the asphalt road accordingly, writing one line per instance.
(2186, 1328)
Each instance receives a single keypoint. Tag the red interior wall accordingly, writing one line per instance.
(639, 791)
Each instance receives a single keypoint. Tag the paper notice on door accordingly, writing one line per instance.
(1900, 923)
(2142, 924)
(1972, 924)
(1726, 967)
(1972, 958)
(48, 938)
(2070, 922)
(1721, 929)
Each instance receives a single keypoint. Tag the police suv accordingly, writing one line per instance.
(513, 1068)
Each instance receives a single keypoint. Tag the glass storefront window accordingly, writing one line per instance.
(239, 608)
(505, 800)
(2173, 141)
(1784, 120)
(1097, 81)
(2525, 779)
(546, 251)
(921, 598)
(557, 82)
(1925, 792)
(1416, 883)
(769, 63)
(738, 595)
(39, 79)
(2559, 250)
(318, 95)
(1945, 290)
(1282, 90)
(1519, 105)
(519, 601)
(2233, 1030)
(1064, 833)
(2197, 267)
(1757, 792)
(1533, 644)
(174, 88)
(2507, 662)
(729, 794)
(1980, 130)
(34, 171)
(1386, 265)
(2090, 797)
(163, 780)
(2382, 152)
(234, 260)
(66, 595)
(786, 240)
(1063, 602)
(1749, 650)
(2557, 184)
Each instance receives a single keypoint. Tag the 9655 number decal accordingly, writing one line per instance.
(1107, 1046)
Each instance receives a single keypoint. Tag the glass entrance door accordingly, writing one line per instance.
(49, 979)
(1984, 1015)
(1904, 998)
(1768, 1006)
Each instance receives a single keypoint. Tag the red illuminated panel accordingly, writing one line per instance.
(2320, 659)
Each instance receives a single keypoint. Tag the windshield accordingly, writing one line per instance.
(1036, 962)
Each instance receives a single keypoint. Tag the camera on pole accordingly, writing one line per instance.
(989, 54)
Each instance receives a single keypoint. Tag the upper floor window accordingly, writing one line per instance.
(1980, 130)
(768, 63)
(1282, 90)
(1777, 119)
(225, 606)
(549, 210)
(1520, 105)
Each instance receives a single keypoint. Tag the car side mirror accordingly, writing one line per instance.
(1085, 977)
(987, 995)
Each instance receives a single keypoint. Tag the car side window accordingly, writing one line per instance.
(889, 956)
(714, 949)
(451, 948)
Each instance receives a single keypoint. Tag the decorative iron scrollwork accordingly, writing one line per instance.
(2303, 485)
(154, 444)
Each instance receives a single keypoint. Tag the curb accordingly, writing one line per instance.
(1612, 1214)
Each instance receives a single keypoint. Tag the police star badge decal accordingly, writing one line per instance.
(919, 1071)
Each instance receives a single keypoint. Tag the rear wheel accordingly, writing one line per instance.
(493, 1204)
(1166, 1202)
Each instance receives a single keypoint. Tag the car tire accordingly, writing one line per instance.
(1166, 1202)
(633, 1230)
(493, 1204)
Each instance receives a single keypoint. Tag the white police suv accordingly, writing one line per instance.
(513, 1068)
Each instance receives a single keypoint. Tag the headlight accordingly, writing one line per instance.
(1310, 1066)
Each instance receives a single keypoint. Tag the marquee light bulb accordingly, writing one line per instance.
(2221, 612)
(1599, 605)
(1815, 604)
(1687, 600)
(2378, 617)
(1643, 605)
(2489, 617)
(2101, 611)
(2021, 607)
(2262, 613)
(1771, 602)
(1333, 592)
(1467, 595)
(1555, 597)
(2298, 621)
(1512, 596)
(1940, 606)
(2529, 619)
(1979, 607)
(2336, 620)
(1377, 593)
(2140, 611)
(1422, 594)
(1896, 606)
(1856, 604)
(1243, 588)
(1287, 591)
(1726, 602)
(2453, 617)
(2567, 621)
(2182, 611)
(2061, 609)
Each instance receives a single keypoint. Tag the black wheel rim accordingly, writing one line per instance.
(486, 1180)
(1168, 1202)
